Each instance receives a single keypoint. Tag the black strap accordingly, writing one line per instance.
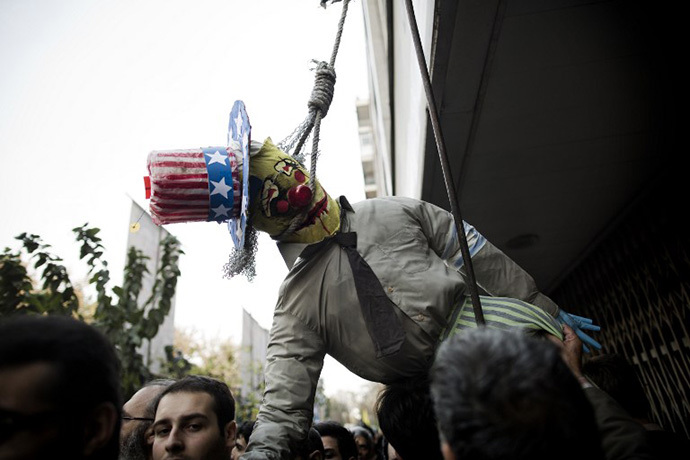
(383, 325)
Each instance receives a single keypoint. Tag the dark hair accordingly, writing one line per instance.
(223, 402)
(302, 449)
(87, 368)
(159, 383)
(245, 429)
(501, 394)
(364, 433)
(406, 417)
(343, 436)
(617, 377)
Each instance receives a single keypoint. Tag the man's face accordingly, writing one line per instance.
(136, 408)
(137, 446)
(364, 450)
(331, 449)
(186, 427)
(240, 447)
(134, 433)
(30, 425)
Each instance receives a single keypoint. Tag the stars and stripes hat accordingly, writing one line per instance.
(204, 184)
(194, 185)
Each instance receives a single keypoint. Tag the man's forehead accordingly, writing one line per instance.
(362, 441)
(183, 403)
(330, 443)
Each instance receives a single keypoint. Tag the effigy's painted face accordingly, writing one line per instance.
(279, 191)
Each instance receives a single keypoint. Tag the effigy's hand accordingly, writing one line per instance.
(579, 324)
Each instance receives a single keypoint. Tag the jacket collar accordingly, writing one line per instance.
(292, 251)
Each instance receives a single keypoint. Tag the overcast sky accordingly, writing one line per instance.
(90, 87)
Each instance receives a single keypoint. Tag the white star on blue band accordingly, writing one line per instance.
(220, 183)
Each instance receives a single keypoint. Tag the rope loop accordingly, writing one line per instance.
(324, 87)
(318, 104)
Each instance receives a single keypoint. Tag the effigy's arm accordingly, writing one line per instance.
(294, 359)
(501, 276)
(497, 274)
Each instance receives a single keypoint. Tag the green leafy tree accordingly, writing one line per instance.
(200, 355)
(176, 365)
(125, 320)
(17, 293)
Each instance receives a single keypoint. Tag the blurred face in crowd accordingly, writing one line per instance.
(240, 447)
(330, 446)
(29, 421)
(186, 427)
(364, 448)
(59, 390)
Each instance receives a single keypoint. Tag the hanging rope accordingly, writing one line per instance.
(445, 165)
(318, 104)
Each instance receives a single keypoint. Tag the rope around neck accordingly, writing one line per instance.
(242, 261)
(318, 104)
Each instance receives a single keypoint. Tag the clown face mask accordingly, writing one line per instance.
(279, 192)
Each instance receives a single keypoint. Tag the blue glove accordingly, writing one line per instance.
(578, 323)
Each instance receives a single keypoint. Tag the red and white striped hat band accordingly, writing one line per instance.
(194, 185)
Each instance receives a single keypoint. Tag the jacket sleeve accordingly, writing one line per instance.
(496, 273)
(621, 437)
(294, 359)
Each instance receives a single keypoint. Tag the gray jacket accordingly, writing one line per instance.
(413, 248)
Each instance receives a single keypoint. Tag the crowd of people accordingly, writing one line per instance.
(490, 395)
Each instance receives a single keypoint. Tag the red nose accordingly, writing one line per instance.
(282, 207)
(299, 196)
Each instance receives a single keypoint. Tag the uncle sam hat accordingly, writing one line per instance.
(204, 184)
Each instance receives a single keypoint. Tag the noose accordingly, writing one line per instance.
(242, 261)
(318, 104)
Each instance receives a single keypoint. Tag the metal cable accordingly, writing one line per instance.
(445, 165)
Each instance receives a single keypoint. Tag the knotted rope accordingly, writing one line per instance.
(318, 104)
(241, 260)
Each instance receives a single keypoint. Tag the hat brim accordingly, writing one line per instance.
(239, 134)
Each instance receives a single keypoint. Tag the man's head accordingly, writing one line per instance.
(244, 431)
(405, 412)
(137, 417)
(309, 449)
(338, 442)
(501, 394)
(195, 420)
(364, 442)
(59, 390)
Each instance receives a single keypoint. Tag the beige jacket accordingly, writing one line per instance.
(413, 248)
